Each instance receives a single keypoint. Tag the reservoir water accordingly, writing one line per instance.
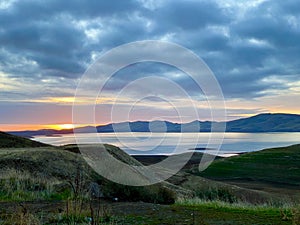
(165, 143)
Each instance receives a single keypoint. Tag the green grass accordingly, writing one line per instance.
(11, 141)
(17, 186)
(185, 211)
(214, 212)
(276, 165)
(47, 173)
(46, 162)
(36, 168)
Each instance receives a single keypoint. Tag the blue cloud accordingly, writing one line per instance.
(44, 39)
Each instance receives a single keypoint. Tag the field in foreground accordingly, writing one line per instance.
(148, 213)
(275, 170)
(53, 185)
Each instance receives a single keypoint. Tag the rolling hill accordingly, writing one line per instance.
(268, 122)
(278, 122)
(277, 166)
(40, 179)
(60, 166)
(11, 141)
(243, 177)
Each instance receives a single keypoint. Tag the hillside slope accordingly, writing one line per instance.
(277, 122)
(279, 166)
(11, 141)
(63, 164)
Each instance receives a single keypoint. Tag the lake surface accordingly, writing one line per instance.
(166, 143)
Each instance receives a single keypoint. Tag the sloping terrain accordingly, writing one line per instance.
(265, 169)
(278, 165)
(63, 165)
(46, 162)
(246, 172)
(206, 187)
(11, 141)
(277, 122)
(40, 181)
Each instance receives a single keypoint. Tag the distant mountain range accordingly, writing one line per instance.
(277, 122)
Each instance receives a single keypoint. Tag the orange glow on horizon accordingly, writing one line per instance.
(62, 126)
(25, 127)
(69, 125)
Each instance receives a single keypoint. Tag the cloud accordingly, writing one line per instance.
(47, 45)
(187, 16)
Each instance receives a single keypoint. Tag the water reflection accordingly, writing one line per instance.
(165, 143)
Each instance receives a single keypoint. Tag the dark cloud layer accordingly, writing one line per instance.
(243, 45)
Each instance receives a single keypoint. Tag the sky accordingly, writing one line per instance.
(252, 47)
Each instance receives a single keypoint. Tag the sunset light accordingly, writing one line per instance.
(150, 112)
(62, 126)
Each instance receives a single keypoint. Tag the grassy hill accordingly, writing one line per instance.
(11, 141)
(217, 188)
(276, 166)
(35, 171)
(42, 176)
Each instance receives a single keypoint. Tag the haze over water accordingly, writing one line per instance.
(165, 143)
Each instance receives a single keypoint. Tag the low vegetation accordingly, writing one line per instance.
(54, 185)
(11, 141)
(277, 165)
(19, 186)
(275, 170)
(251, 214)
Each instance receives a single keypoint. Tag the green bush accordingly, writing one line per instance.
(216, 193)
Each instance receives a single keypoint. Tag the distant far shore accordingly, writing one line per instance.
(261, 123)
